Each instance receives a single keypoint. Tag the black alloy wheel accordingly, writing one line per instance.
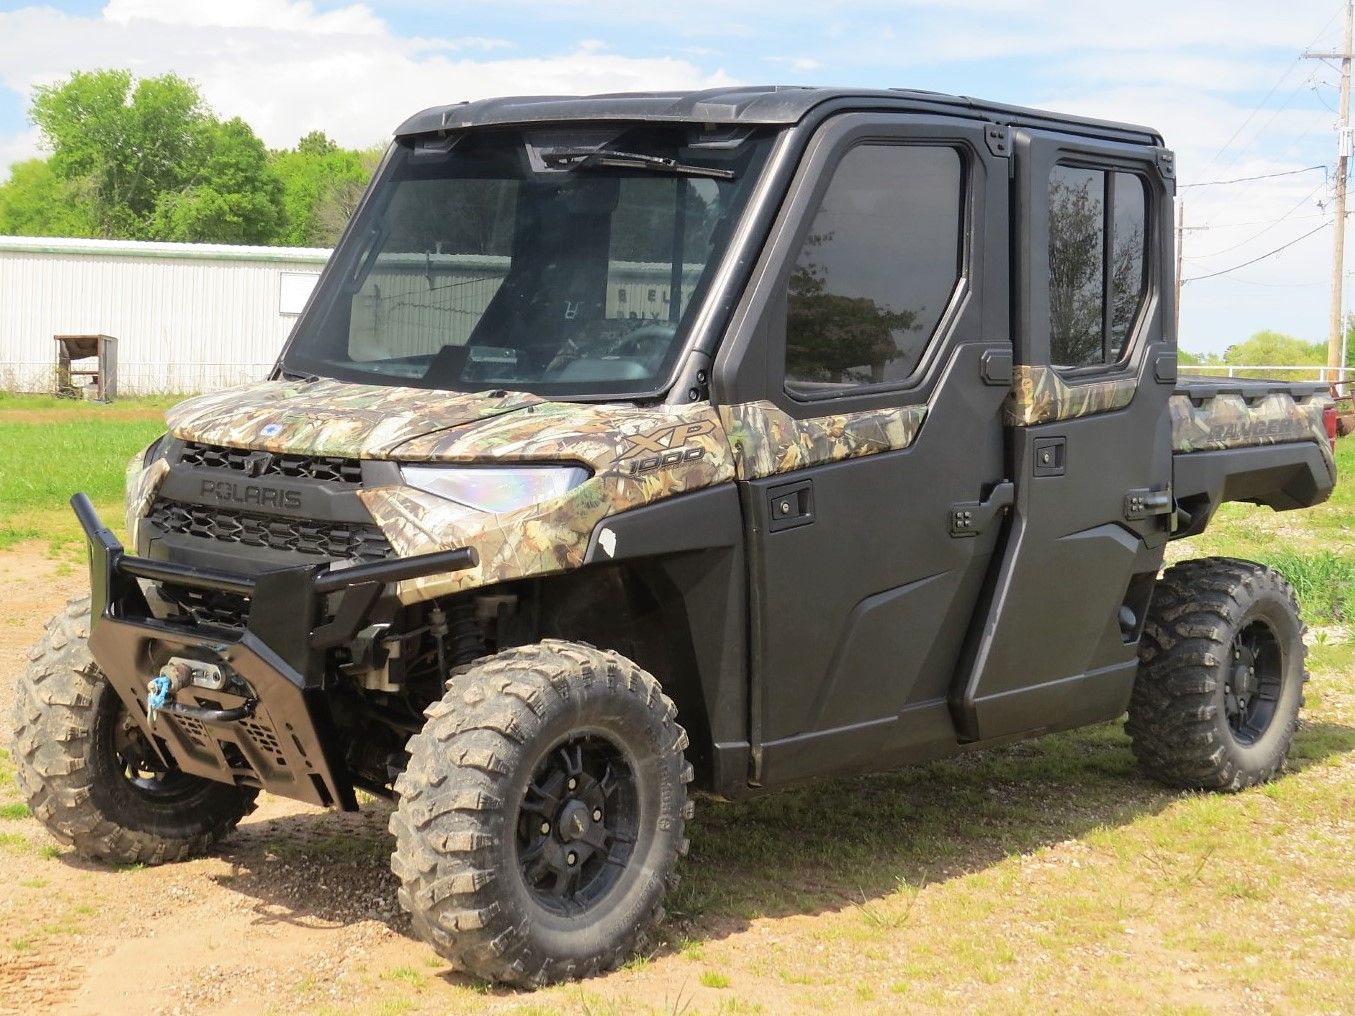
(577, 823)
(1252, 686)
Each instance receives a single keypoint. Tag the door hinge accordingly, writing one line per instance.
(1145, 502)
(999, 138)
(970, 518)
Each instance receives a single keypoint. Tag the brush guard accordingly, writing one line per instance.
(271, 726)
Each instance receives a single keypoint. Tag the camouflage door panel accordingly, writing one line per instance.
(767, 441)
(1227, 421)
(1040, 395)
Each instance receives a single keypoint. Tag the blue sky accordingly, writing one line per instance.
(1222, 81)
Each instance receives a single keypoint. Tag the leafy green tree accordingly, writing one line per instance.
(232, 195)
(34, 201)
(150, 161)
(321, 186)
(1270, 348)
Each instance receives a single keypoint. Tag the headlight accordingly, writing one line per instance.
(495, 488)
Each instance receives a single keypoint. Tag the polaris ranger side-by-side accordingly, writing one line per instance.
(645, 443)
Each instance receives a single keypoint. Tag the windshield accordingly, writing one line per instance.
(529, 261)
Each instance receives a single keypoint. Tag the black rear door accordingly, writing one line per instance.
(1089, 439)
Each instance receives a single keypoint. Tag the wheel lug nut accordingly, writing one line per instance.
(573, 783)
(571, 859)
(545, 828)
(597, 814)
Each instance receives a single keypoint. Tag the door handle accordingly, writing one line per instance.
(970, 518)
(790, 505)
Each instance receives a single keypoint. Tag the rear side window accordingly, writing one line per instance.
(1097, 263)
(877, 269)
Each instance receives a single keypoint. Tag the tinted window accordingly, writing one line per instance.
(1128, 265)
(507, 261)
(1092, 310)
(877, 268)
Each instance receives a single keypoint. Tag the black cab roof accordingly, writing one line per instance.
(751, 105)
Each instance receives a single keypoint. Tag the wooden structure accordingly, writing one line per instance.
(76, 348)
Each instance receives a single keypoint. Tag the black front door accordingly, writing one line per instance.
(870, 449)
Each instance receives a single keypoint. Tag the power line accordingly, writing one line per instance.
(1248, 179)
(1273, 89)
(1262, 257)
(1267, 228)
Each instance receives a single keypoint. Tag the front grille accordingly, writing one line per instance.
(325, 468)
(354, 541)
(208, 606)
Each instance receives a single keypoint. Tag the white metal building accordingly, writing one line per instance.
(188, 317)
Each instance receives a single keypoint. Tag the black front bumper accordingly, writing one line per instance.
(273, 728)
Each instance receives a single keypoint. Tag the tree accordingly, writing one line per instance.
(1270, 348)
(321, 186)
(150, 161)
(34, 201)
(232, 195)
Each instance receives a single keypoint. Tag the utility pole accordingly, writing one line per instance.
(1337, 325)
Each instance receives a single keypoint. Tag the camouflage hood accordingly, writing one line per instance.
(329, 417)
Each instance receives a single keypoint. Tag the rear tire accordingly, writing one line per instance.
(1221, 673)
(542, 813)
(86, 771)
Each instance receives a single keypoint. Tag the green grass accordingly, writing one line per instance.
(54, 447)
(14, 811)
(1324, 581)
(12, 400)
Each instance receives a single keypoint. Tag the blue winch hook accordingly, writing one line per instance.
(158, 692)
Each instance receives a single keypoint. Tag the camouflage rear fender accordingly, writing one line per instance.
(1228, 421)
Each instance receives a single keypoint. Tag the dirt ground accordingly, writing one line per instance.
(296, 912)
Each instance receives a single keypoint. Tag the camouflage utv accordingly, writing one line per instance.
(639, 444)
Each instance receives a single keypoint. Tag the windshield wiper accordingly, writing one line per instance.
(582, 158)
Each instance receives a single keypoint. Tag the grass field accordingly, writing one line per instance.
(52, 447)
(1045, 876)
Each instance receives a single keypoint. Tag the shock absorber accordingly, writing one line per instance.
(467, 642)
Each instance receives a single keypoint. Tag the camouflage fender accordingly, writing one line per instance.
(1039, 395)
(142, 483)
(638, 454)
(1227, 421)
(767, 441)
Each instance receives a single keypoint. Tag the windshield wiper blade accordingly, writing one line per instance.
(580, 158)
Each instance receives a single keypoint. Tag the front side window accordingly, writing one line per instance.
(877, 269)
(1097, 263)
(530, 262)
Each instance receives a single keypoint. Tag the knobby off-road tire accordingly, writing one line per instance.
(86, 773)
(533, 756)
(1220, 680)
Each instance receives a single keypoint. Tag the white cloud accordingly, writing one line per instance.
(18, 147)
(288, 16)
(265, 61)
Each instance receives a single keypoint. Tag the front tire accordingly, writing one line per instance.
(86, 771)
(542, 814)
(1221, 674)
